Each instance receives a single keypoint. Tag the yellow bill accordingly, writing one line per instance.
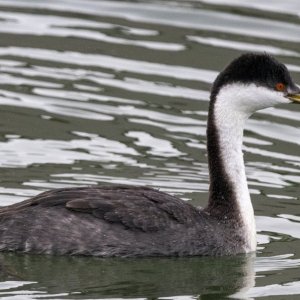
(294, 97)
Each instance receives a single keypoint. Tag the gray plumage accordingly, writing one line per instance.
(139, 221)
(114, 221)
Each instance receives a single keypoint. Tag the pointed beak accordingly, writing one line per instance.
(294, 95)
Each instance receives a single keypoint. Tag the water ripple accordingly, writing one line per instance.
(157, 13)
(25, 24)
(110, 62)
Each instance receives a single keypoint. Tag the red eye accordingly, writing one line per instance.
(280, 86)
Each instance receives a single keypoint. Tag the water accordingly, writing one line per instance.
(95, 92)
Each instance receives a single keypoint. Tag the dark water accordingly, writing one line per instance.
(95, 92)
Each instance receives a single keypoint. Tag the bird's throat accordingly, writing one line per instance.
(229, 196)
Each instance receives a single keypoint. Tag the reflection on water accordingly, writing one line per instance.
(110, 278)
(140, 278)
(95, 92)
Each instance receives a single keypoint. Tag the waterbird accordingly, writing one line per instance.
(135, 221)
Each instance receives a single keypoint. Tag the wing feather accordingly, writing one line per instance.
(136, 208)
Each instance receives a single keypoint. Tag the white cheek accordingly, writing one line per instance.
(248, 98)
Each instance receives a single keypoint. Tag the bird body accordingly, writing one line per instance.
(129, 221)
(114, 221)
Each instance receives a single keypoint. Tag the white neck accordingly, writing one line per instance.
(230, 123)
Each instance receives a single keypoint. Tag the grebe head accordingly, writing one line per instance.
(253, 82)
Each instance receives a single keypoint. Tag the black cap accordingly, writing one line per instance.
(260, 69)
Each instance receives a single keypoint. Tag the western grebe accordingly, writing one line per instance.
(139, 221)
